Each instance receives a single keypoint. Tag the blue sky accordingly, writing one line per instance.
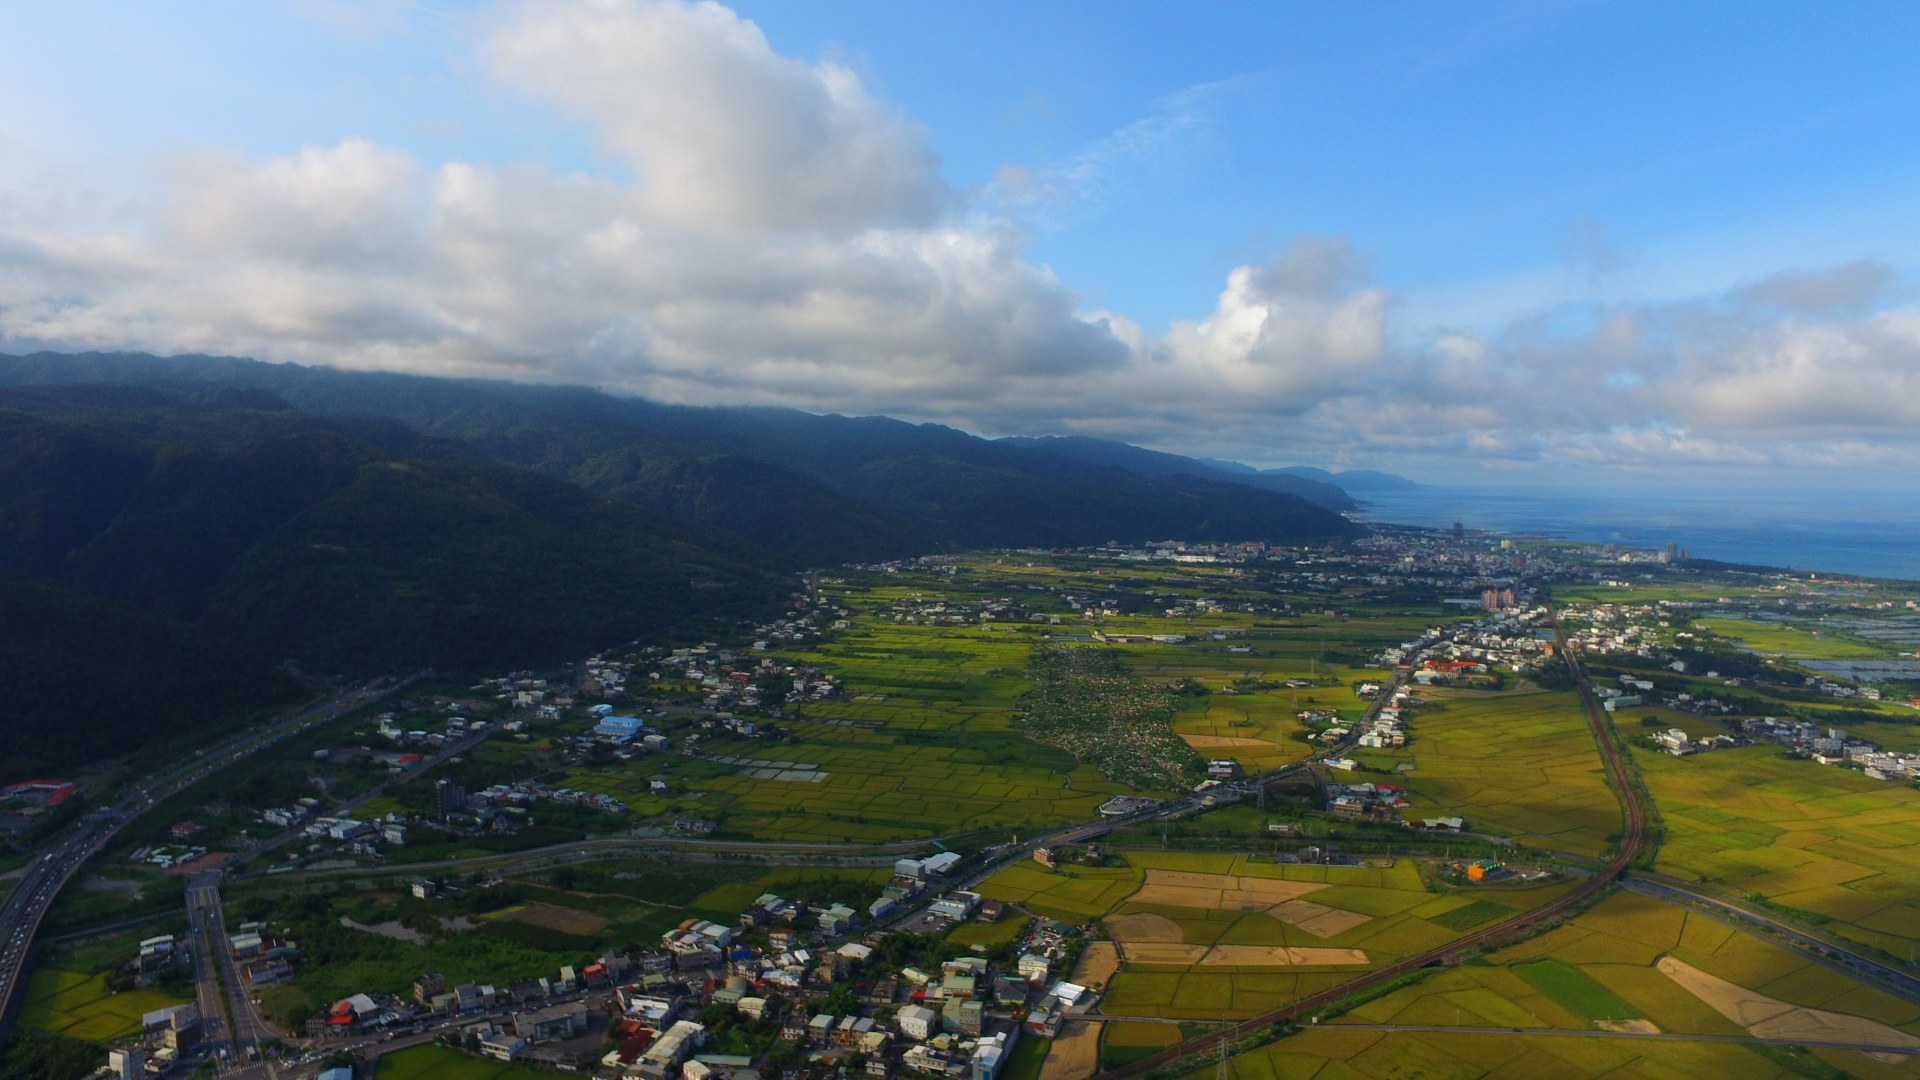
(1638, 239)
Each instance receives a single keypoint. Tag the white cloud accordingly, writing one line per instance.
(726, 133)
(776, 234)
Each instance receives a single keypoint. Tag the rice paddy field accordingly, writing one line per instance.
(1549, 790)
(1332, 1053)
(1218, 936)
(80, 1006)
(441, 1063)
(1628, 964)
(922, 744)
(1814, 838)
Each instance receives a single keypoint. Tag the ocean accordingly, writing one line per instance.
(1866, 533)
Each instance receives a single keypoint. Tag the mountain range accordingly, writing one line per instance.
(273, 519)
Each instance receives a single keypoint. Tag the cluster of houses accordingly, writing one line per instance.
(1507, 641)
(948, 611)
(1366, 802)
(166, 856)
(1833, 746)
(262, 958)
(657, 1007)
(800, 623)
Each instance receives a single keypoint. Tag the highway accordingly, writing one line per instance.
(246, 1029)
(26, 907)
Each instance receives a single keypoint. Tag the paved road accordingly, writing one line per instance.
(248, 1028)
(26, 907)
(206, 949)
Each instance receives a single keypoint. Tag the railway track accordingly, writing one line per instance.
(1633, 839)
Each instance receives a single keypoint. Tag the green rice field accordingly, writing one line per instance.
(1813, 838)
(81, 1006)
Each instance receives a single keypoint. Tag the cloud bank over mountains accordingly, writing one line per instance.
(763, 229)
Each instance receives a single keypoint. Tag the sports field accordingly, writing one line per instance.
(1810, 837)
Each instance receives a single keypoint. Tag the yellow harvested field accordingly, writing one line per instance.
(1209, 742)
(1159, 952)
(1097, 964)
(1318, 919)
(1164, 952)
(1144, 926)
(1771, 1018)
(1282, 956)
(1218, 892)
(1075, 1055)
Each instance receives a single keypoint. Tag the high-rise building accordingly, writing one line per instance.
(448, 797)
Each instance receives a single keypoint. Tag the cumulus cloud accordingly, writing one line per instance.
(770, 231)
(726, 133)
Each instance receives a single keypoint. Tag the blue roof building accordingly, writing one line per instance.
(618, 728)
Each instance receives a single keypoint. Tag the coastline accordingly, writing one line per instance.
(1800, 531)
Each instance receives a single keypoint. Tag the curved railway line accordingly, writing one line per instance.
(1633, 839)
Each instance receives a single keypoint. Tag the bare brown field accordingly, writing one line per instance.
(1218, 892)
(1097, 964)
(1075, 1055)
(1209, 742)
(1161, 952)
(1144, 926)
(564, 919)
(1770, 1018)
(1281, 956)
(1318, 919)
(1164, 952)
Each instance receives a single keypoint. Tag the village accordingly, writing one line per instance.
(792, 983)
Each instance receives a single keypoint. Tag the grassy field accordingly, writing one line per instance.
(1813, 838)
(1793, 642)
(81, 1006)
(1220, 936)
(987, 935)
(441, 1063)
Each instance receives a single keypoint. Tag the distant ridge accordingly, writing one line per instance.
(1155, 463)
(804, 488)
(1351, 481)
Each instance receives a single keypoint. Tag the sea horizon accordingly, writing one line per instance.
(1850, 533)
